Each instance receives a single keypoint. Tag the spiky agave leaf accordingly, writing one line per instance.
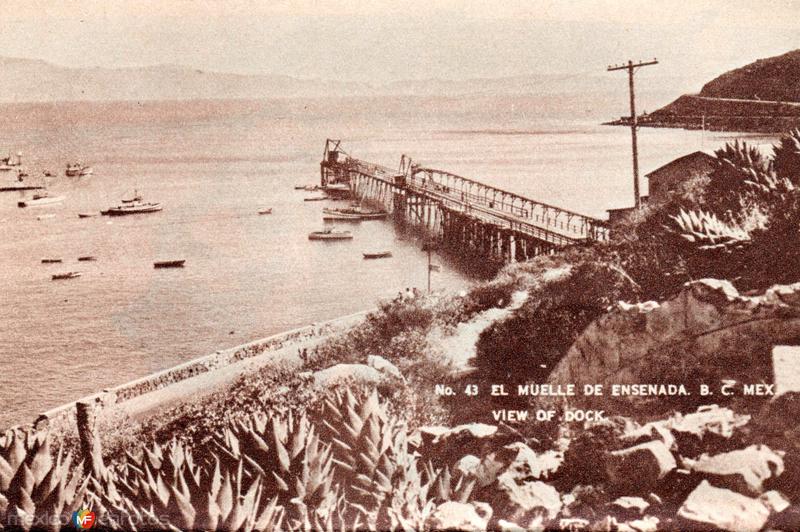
(708, 231)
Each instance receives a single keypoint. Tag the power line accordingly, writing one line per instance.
(631, 68)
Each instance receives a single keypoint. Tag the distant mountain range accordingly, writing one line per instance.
(28, 80)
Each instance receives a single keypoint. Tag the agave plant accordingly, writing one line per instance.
(36, 490)
(786, 156)
(708, 231)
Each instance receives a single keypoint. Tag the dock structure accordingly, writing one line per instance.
(464, 215)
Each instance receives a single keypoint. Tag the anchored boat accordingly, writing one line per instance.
(87, 258)
(67, 275)
(330, 234)
(341, 217)
(265, 211)
(77, 169)
(363, 214)
(133, 205)
(134, 208)
(169, 264)
(42, 198)
(378, 255)
(51, 261)
(6, 164)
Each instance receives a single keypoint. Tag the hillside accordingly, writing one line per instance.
(771, 79)
(761, 97)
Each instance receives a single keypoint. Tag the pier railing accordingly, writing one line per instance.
(548, 223)
(525, 212)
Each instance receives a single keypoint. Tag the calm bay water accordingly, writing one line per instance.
(213, 165)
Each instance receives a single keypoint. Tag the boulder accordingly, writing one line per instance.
(629, 507)
(474, 438)
(707, 321)
(468, 465)
(345, 372)
(528, 465)
(710, 429)
(645, 524)
(786, 368)
(639, 467)
(775, 501)
(508, 526)
(384, 366)
(742, 470)
(456, 516)
(525, 502)
(708, 507)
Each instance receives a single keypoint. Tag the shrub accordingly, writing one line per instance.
(527, 346)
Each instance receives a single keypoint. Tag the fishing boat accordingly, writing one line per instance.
(133, 205)
(134, 208)
(337, 190)
(19, 185)
(169, 263)
(67, 275)
(6, 164)
(378, 255)
(341, 217)
(51, 261)
(133, 199)
(330, 234)
(364, 214)
(87, 258)
(42, 198)
(87, 214)
(265, 211)
(77, 169)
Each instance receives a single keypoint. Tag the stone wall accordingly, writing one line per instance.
(63, 417)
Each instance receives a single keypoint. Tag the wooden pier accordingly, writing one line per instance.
(465, 216)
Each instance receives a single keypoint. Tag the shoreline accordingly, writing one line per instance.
(215, 369)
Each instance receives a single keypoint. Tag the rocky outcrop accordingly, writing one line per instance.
(707, 333)
(710, 508)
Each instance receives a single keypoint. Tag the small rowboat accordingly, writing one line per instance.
(378, 255)
(68, 275)
(169, 264)
(330, 234)
(40, 199)
(376, 215)
(316, 198)
(134, 208)
(87, 258)
(357, 211)
(342, 217)
(51, 261)
(86, 214)
(265, 211)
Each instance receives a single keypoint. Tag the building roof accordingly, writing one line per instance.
(680, 161)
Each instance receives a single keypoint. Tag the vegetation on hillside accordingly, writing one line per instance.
(770, 79)
(277, 452)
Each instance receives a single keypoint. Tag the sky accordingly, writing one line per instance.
(387, 40)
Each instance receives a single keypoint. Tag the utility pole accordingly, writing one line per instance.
(631, 68)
